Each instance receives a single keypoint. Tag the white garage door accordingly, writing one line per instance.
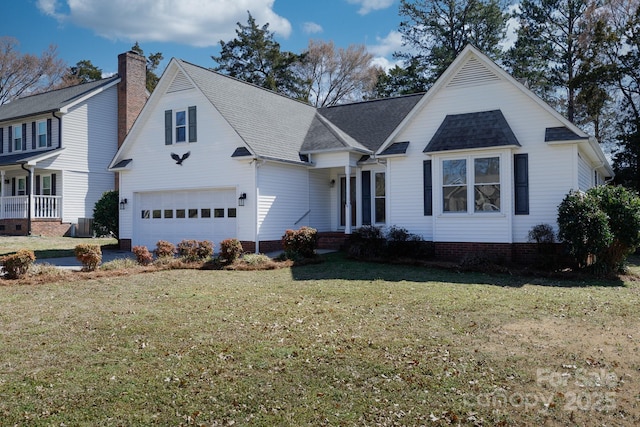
(179, 215)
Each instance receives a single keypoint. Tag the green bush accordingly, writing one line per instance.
(106, 215)
(601, 227)
(230, 250)
(16, 265)
(374, 243)
(89, 255)
(300, 243)
(142, 254)
(164, 249)
(195, 250)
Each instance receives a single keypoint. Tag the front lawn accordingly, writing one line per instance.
(49, 247)
(337, 343)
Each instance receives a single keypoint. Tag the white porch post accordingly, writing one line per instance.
(347, 205)
(32, 177)
(2, 191)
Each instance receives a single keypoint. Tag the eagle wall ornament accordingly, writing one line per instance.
(179, 159)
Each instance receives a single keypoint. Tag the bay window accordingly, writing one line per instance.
(471, 185)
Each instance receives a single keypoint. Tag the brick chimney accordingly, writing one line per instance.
(132, 94)
(132, 90)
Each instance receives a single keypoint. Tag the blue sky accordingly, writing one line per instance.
(98, 30)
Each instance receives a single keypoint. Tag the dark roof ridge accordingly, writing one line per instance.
(365, 101)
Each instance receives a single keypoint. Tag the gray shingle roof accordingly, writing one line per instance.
(561, 133)
(24, 156)
(49, 101)
(272, 125)
(472, 130)
(396, 148)
(370, 123)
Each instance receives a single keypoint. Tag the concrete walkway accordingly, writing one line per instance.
(72, 263)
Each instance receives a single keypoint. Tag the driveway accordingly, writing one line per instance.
(72, 263)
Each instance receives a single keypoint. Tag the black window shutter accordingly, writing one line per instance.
(13, 186)
(1, 140)
(33, 135)
(366, 198)
(427, 185)
(521, 179)
(10, 129)
(49, 140)
(168, 127)
(38, 184)
(24, 136)
(53, 184)
(193, 125)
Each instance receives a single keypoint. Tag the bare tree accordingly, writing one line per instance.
(335, 76)
(27, 74)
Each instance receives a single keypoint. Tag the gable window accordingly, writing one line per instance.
(17, 138)
(42, 134)
(180, 126)
(459, 186)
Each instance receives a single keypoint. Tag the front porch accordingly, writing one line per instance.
(42, 207)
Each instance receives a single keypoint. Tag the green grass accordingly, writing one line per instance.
(337, 343)
(48, 247)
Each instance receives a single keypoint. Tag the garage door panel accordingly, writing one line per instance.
(179, 215)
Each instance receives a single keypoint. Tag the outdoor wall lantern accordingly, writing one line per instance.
(332, 183)
(123, 203)
(242, 198)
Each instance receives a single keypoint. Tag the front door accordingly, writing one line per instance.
(343, 200)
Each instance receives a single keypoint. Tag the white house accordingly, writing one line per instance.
(473, 164)
(55, 148)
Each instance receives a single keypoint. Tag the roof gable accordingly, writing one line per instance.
(472, 130)
(51, 101)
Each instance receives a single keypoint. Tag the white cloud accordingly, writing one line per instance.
(385, 46)
(311, 28)
(192, 22)
(367, 6)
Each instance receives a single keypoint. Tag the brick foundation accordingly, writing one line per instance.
(518, 253)
(39, 227)
(125, 244)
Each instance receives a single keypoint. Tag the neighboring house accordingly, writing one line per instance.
(473, 164)
(55, 148)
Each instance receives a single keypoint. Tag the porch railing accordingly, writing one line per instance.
(17, 207)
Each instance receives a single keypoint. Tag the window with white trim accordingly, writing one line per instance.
(17, 138)
(479, 183)
(22, 187)
(45, 189)
(42, 134)
(181, 126)
(380, 196)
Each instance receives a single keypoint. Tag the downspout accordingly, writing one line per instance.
(59, 128)
(28, 199)
(257, 207)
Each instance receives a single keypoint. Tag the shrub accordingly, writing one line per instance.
(164, 249)
(300, 243)
(402, 244)
(16, 265)
(119, 264)
(367, 242)
(601, 227)
(89, 255)
(230, 250)
(545, 238)
(143, 256)
(106, 214)
(195, 250)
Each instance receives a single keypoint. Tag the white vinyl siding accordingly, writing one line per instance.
(585, 174)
